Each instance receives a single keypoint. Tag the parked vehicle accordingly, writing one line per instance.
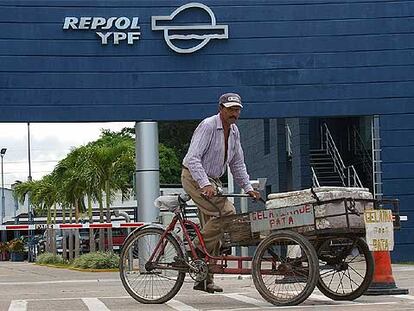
(118, 237)
(83, 245)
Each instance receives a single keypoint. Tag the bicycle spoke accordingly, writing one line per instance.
(151, 281)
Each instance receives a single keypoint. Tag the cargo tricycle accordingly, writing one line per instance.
(307, 239)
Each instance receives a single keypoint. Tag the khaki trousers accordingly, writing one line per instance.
(208, 211)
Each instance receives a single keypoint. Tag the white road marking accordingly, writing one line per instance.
(18, 305)
(94, 304)
(410, 297)
(178, 305)
(311, 306)
(77, 298)
(61, 282)
(324, 298)
(402, 268)
(319, 297)
(248, 300)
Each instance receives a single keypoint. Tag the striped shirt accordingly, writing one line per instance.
(205, 156)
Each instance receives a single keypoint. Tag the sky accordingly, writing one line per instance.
(50, 142)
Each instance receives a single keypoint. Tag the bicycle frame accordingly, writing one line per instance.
(217, 264)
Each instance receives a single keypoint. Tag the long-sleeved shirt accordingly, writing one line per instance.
(205, 156)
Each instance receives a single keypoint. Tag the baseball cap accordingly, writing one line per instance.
(230, 100)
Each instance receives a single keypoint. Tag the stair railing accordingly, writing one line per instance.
(359, 146)
(288, 141)
(353, 178)
(348, 175)
(315, 181)
(332, 150)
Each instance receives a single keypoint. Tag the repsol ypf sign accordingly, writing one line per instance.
(115, 30)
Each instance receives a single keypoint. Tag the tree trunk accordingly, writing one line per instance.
(101, 231)
(54, 213)
(63, 214)
(53, 241)
(76, 243)
(91, 240)
(108, 215)
(70, 244)
(102, 240)
(48, 244)
(64, 246)
(76, 211)
(101, 209)
(90, 214)
(70, 214)
(49, 215)
(91, 231)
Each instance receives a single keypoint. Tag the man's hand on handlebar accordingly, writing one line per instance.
(208, 191)
(254, 194)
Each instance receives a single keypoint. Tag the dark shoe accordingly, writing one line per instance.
(207, 287)
(203, 287)
(214, 288)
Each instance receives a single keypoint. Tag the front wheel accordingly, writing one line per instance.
(285, 268)
(155, 281)
(346, 268)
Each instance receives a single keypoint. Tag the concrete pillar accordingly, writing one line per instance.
(147, 170)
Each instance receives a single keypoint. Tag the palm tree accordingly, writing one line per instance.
(24, 189)
(114, 167)
(71, 192)
(44, 196)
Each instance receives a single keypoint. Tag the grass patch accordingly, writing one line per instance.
(50, 259)
(98, 260)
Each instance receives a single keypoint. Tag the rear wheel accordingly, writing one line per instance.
(156, 281)
(285, 268)
(346, 268)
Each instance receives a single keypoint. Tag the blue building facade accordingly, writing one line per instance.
(116, 60)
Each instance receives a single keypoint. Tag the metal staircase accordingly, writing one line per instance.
(328, 168)
(323, 169)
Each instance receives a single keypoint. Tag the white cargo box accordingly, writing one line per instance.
(341, 213)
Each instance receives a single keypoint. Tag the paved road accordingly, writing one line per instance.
(25, 286)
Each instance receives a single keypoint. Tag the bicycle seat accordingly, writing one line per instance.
(171, 202)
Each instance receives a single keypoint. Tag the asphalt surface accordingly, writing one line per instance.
(25, 286)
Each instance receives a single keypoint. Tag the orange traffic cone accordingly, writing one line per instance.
(383, 282)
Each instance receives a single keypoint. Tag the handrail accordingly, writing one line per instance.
(352, 175)
(315, 181)
(288, 141)
(346, 173)
(359, 145)
(334, 153)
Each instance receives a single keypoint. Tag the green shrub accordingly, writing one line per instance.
(49, 258)
(16, 246)
(3, 247)
(98, 260)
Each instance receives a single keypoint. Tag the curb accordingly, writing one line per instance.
(77, 269)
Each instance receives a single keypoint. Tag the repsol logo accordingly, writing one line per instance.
(128, 28)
